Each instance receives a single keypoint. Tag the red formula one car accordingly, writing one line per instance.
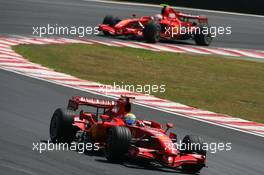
(169, 25)
(120, 138)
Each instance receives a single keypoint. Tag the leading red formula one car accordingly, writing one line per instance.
(124, 137)
(169, 25)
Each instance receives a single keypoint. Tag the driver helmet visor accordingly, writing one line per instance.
(130, 121)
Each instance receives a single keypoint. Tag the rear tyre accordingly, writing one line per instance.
(118, 144)
(61, 128)
(203, 38)
(151, 32)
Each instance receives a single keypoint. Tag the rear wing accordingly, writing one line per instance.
(171, 13)
(127, 98)
(76, 101)
(200, 18)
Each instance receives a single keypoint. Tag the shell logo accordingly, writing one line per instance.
(176, 30)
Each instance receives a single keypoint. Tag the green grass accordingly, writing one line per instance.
(234, 87)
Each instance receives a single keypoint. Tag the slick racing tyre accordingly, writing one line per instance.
(151, 32)
(203, 36)
(118, 144)
(192, 168)
(111, 21)
(61, 128)
(193, 144)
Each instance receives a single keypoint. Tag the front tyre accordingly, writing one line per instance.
(151, 32)
(118, 144)
(61, 128)
(192, 144)
(203, 36)
(192, 169)
(111, 21)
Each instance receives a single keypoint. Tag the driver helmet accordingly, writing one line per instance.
(130, 119)
(157, 17)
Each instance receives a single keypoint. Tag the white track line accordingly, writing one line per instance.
(8, 43)
(32, 41)
(11, 57)
(222, 119)
(102, 42)
(77, 41)
(148, 46)
(218, 52)
(7, 49)
(167, 49)
(191, 50)
(243, 52)
(14, 40)
(128, 44)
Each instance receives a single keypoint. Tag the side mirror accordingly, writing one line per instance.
(173, 137)
(105, 117)
(169, 125)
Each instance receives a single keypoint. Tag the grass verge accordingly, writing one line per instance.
(234, 87)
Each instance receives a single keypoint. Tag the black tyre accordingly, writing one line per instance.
(193, 144)
(61, 128)
(202, 37)
(111, 21)
(151, 32)
(192, 168)
(118, 144)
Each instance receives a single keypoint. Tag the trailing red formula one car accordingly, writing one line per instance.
(169, 25)
(121, 135)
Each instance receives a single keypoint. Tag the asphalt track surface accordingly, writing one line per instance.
(19, 16)
(27, 104)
